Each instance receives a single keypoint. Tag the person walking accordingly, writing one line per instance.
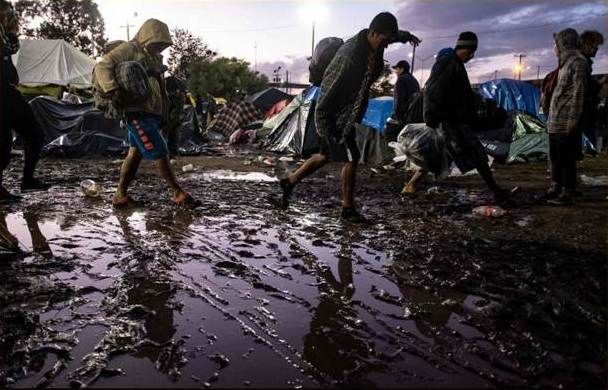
(344, 95)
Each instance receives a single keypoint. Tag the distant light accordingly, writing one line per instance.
(317, 11)
(410, 55)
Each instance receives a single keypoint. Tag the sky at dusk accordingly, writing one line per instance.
(269, 34)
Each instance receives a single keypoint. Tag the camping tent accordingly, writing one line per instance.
(293, 129)
(522, 137)
(512, 95)
(267, 98)
(52, 61)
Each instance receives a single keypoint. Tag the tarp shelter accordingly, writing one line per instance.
(52, 61)
(378, 111)
(234, 116)
(293, 130)
(512, 95)
(264, 100)
(521, 138)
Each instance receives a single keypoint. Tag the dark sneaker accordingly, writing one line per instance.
(34, 185)
(562, 200)
(553, 193)
(349, 214)
(501, 195)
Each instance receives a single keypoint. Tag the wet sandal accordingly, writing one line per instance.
(186, 200)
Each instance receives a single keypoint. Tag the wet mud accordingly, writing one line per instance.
(239, 294)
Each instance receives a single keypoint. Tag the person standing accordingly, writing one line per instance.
(449, 104)
(405, 87)
(143, 119)
(16, 112)
(566, 117)
(589, 42)
(343, 100)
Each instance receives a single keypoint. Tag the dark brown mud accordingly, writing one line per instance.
(238, 294)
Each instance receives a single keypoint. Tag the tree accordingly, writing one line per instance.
(78, 22)
(187, 49)
(382, 86)
(226, 77)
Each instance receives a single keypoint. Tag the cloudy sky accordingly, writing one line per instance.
(269, 34)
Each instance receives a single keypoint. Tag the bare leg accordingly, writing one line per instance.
(127, 173)
(349, 174)
(164, 169)
(313, 164)
(410, 187)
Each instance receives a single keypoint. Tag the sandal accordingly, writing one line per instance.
(186, 200)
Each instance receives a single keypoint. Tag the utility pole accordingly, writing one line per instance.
(538, 72)
(128, 26)
(255, 56)
(520, 68)
(312, 50)
(495, 75)
(286, 81)
(413, 59)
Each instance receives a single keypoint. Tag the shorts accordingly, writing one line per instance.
(144, 135)
(340, 152)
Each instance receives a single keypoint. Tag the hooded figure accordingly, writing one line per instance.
(569, 95)
(565, 117)
(152, 33)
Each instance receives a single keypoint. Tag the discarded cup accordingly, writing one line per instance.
(489, 211)
(90, 188)
(188, 168)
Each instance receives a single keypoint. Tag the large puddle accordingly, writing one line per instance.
(238, 294)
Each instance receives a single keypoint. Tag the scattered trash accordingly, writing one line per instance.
(388, 167)
(433, 190)
(90, 188)
(594, 181)
(489, 211)
(269, 161)
(188, 168)
(286, 159)
(374, 170)
(173, 161)
(524, 221)
(247, 162)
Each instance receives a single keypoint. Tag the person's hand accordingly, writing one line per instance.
(414, 40)
(406, 37)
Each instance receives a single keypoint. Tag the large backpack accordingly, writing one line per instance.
(134, 89)
(324, 52)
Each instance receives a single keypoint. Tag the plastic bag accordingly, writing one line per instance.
(425, 147)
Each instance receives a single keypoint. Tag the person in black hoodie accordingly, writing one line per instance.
(16, 112)
(342, 103)
(449, 104)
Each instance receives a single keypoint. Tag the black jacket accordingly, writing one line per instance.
(10, 77)
(448, 96)
(345, 82)
(405, 87)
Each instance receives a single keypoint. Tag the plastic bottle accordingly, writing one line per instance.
(188, 168)
(90, 188)
(489, 211)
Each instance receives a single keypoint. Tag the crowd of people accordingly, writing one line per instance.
(129, 78)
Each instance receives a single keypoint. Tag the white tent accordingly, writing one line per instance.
(52, 61)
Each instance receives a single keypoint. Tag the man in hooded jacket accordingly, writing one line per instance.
(566, 117)
(143, 119)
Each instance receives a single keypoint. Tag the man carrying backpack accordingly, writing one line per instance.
(144, 117)
(342, 103)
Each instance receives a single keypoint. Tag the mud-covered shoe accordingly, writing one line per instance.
(349, 214)
(562, 200)
(34, 185)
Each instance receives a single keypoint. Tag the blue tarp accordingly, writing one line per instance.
(512, 95)
(377, 113)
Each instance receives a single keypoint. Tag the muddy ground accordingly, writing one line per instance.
(238, 294)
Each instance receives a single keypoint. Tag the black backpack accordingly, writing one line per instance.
(324, 52)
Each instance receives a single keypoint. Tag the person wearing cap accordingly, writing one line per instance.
(565, 117)
(143, 119)
(344, 95)
(405, 87)
(449, 104)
